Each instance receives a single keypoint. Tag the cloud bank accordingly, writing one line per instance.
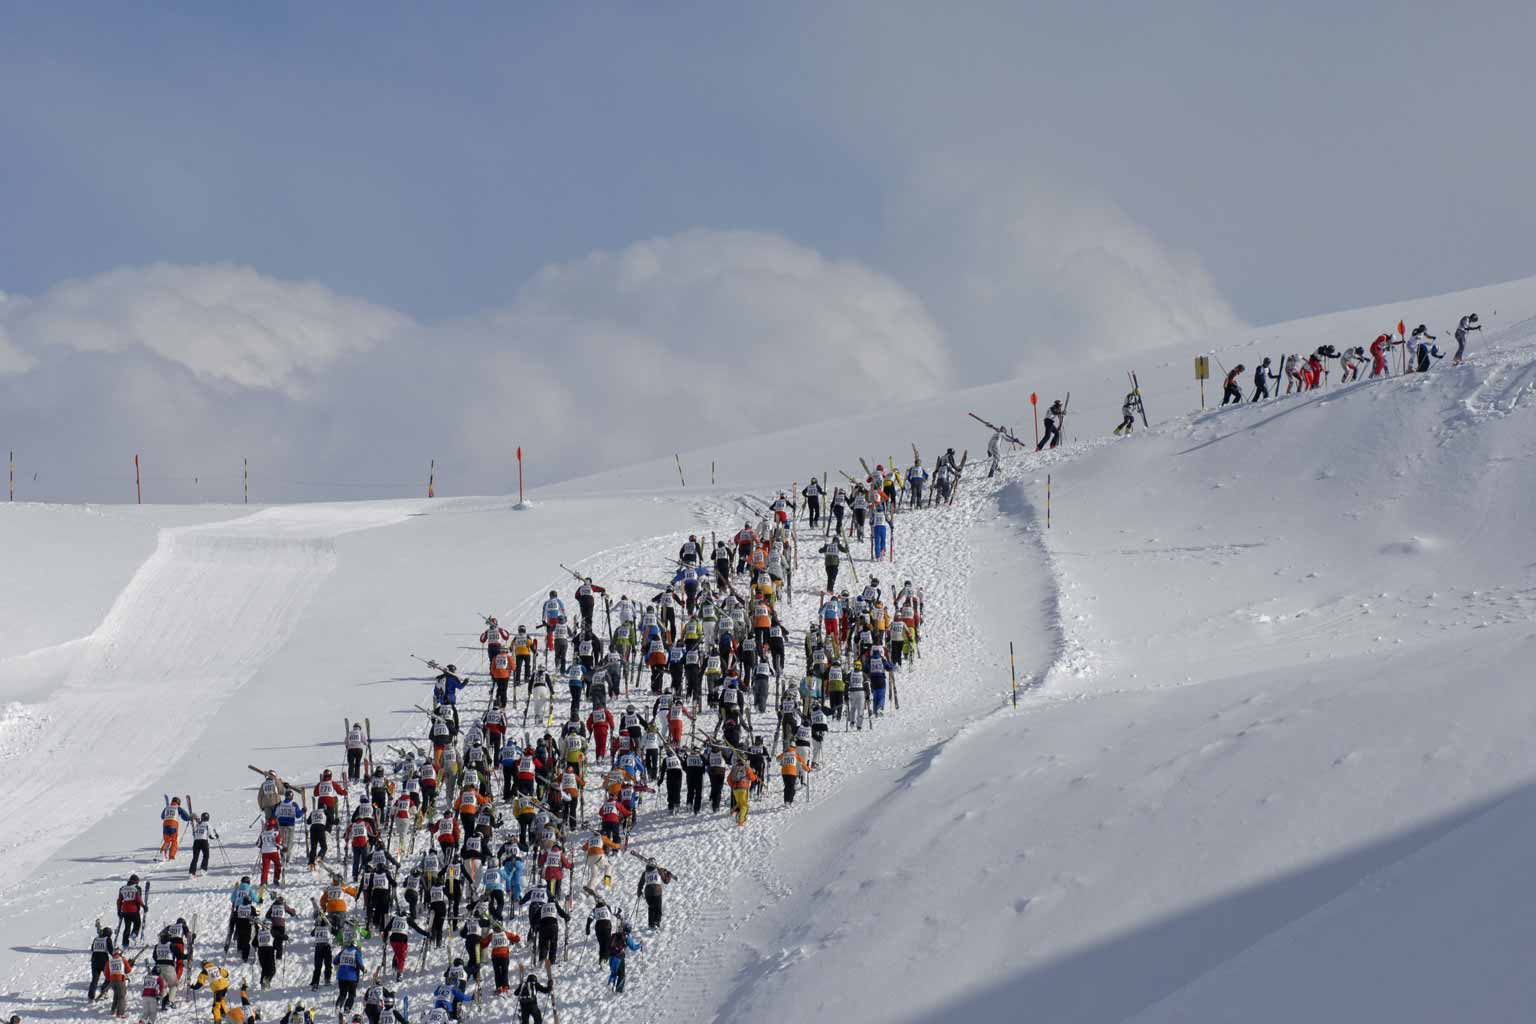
(1025, 269)
(226, 324)
(688, 339)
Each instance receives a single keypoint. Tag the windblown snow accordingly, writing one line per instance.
(1269, 760)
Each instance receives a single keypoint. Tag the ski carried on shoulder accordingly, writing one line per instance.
(1140, 402)
(993, 426)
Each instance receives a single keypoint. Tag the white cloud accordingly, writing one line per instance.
(225, 323)
(1029, 269)
(751, 328)
(12, 359)
(664, 344)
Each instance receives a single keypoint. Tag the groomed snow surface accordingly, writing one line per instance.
(1271, 763)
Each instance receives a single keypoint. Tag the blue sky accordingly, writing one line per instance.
(1030, 179)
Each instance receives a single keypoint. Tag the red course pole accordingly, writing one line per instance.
(138, 487)
(1034, 404)
(519, 474)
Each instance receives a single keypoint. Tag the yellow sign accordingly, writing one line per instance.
(1202, 367)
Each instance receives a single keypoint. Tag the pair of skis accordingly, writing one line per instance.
(1007, 435)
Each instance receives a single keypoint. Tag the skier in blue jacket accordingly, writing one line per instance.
(349, 968)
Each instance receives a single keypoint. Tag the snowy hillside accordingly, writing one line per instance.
(1271, 763)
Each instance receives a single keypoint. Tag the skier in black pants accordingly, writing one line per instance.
(527, 990)
(831, 558)
(321, 933)
(600, 919)
(674, 776)
(202, 831)
(1052, 436)
(693, 771)
(547, 937)
(1231, 393)
(717, 770)
(1464, 325)
(1261, 378)
(652, 881)
(811, 492)
(101, 948)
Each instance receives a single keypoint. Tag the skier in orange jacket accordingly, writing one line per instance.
(170, 826)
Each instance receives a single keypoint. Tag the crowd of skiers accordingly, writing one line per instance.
(513, 803)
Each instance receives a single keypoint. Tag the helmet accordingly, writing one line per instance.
(203, 816)
(245, 879)
(491, 620)
(1472, 318)
(132, 879)
(176, 800)
(553, 594)
(325, 774)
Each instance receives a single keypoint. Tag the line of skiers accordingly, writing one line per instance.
(438, 857)
(1306, 372)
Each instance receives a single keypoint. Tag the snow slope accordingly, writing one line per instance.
(1294, 651)
(1277, 651)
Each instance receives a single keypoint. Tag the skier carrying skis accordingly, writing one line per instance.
(652, 881)
(1293, 372)
(917, 476)
(101, 949)
(1379, 349)
(356, 743)
(1231, 393)
(1052, 435)
(1426, 348)
(879, 527)
(132, 901)
(1351, 361)
(1322, 355)
(1262, 375)
(811, 492)
(1314, 371)
(1464, 326)
(623, 942)
(1128, 411)
(170, 827)
(586, 598)
(495, 638)
(994, 453)
(202, 832)
(528, 987)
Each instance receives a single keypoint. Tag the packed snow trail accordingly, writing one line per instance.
(194, 623)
